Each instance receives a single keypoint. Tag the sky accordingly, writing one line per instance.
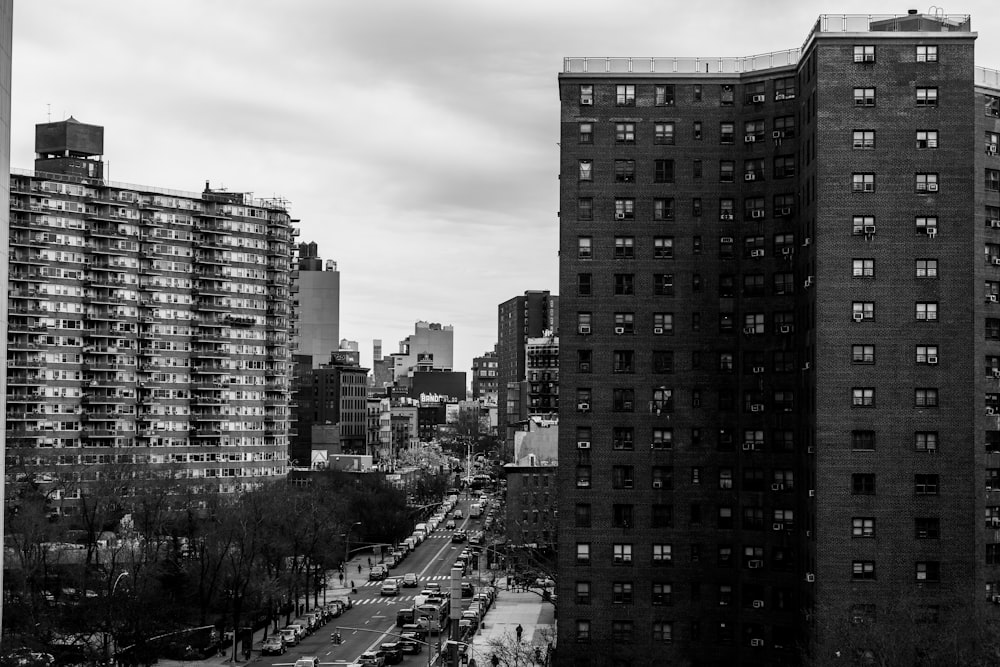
(416, 140)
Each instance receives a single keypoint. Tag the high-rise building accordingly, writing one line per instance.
(317, 325)
(484, 376)
(780, 343)
(518, 319)
(148, 329)
(541, 375)
(430, 348)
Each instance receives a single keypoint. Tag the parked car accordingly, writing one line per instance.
(300, 630)
(450, 525)
(433, 586)
(457, 514)
(307, 661)
(418, 630)
(467, 589)
(273, 645)
(290, 636)
(410, 580)
(458, 536)
(409, 645)
(390, 587)
(378, 573)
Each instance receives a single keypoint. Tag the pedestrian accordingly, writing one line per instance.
(538, 655)
(519, 630)
(359, 568)
(369, 561)
(341, 578)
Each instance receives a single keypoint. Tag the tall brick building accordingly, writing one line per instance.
(780, 341)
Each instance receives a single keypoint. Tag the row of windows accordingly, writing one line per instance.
(662, 477)
(863, 484)
(924, 96)
(665, 132)
(865, 53)
(663, 170)
(923, 397)
(623, 632)
(665, 94)
(924, 528)
(662, 247)
(923, 571)
(624, 361)
(924, 311)
(865, 354)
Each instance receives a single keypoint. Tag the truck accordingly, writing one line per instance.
(475, 511)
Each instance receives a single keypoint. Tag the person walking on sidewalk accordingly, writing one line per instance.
(519, 630)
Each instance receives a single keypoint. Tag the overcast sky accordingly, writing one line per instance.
(415, 139)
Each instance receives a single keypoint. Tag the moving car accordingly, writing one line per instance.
(378, 573)
(392, 653)
(307, 661)
(450, 525)
(390, 587)
(418, 630)
(371, 659)
(273, 645)
(409, 645)
(410, 580)
(458, 536)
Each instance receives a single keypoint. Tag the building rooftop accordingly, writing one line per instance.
(827, 23)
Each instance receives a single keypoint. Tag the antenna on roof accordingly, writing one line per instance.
(48, 112)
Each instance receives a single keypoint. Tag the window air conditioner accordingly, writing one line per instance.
(756, 643)
(658, 331)
(749, 139)
(758, 369)
(585, 328)
(786, 251)
(583, 407)
(777, 134)
(748, 446)
(996, 373)
(991, 149)
(755, 564)
(725, 215)
(583, 444)
(619, 216)
(756, 253)
(996, 261)
(778, 487)
(750, 176)
(657, 484)
(932, 187)
(758, 604)
(990, 412)
(991, 298)
(995, 224)
(726, 239)
(749, 331)
(619, 330)
(777, 525)
(786, 210)
(785, 328)
(626, 405)
(858, 317)
(932, 360)
(756, 407)
(995, 521)
(869, 229)
(757, 99)
(586, 101)
(757, 213)
(931, 231)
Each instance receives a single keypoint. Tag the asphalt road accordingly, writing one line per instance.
(374, 615)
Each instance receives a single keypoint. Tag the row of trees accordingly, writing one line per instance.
(173, 562)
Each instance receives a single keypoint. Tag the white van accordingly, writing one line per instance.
(420, 527)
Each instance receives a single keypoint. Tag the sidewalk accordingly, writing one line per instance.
(536, 618)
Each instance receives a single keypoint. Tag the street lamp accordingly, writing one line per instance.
(347, 544)
(107, 628)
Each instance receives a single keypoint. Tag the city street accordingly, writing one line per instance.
(374, 615)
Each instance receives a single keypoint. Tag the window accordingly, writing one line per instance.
(863, 484)
(583, 515)
(584, 247)
(663, 171)
(864, 97)
(725, 478)
(664, 95)
(926, 268)
(726, 95)
(623, 516)
(696, 130)
(725, 518)
(926, 441)
(863, 310)
(993, 180)
(927, 97)
(929, 570)
(784, 126)
(784, 167)
(926, 311)
(784, 88)
(863, 182)
(927, 54)
(753, 170)
(586, 133)
(863, 570)
(625, 95)
(727, 171)
(622, 632)
(925, 484)
(623, 439)
(623, 361)
(927, 182)
(863, 441)
(863, 224)
(624, 284)
(992, 105)
(624, 247)
(663, 361)
(663, 209)
(587, 94)
(863, 268)
(753, 208)
(663, 439)
(663, 133)
(621, 592)
(992, 327)
(864, 53)
(927, 354)
(663, 633)
(727, 133)
(586, 170)
(863, 354)
(585, 208)
(624, 208)
(583, 284)
(624, 171)
(753, 93)
(622, 477)
(663, 284)
(663, 477)
(927, 528)
(622, 399)
(864, 139)
(582, 631)
(927, 139)
(583, 553)
(583, 592)
(662, 516)
(625, 133)
(697, 169)
(862, 527)
(663, 400)
(863, 397)
(583, 477)
(622, 554)
(583, 322)
(726, 209)
(663, 247)
(753, 285)
(925, 225)
(992, 144)
(663, 324)
(662, 554)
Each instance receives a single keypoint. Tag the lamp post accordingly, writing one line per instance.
(107, 628)
(347, 544)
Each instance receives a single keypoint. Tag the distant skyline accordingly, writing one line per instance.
(416, 142)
